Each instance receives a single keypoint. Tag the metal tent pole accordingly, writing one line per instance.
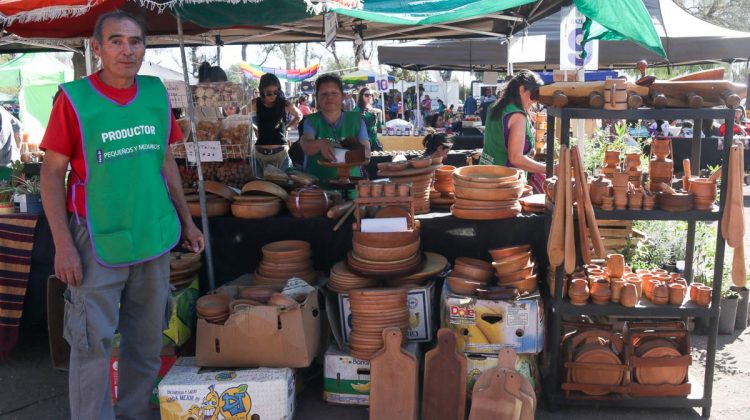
(201, 185)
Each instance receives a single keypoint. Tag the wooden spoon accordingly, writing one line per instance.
(555, 246)
(596, 238)
(739, 271)
(570, 243)
(736, 228)
(581, 187)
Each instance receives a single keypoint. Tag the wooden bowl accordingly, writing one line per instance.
(486, 194)
(505, 183)
(219, 189)
(290, 249)
(517, 275)
(526, 285)
(253, 199)
(463, 203)
(256, 210)
(472, 268)
(499, 254)
(214, 207)
(420, 163)
(512, 264)
(675, 202)
(463, 286)
(264, 187)
(393, 166)
(397, 253)
(385, 239)
(486, 173)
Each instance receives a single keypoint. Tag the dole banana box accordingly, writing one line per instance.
(486, 326)
(191, 392)
(419, 300)
(346, 379)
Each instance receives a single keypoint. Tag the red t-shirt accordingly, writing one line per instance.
(63, 136)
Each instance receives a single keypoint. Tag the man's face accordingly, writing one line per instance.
(121, 49)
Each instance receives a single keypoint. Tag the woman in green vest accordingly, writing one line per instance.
(326, 129)
(371, 117)
(508, 137)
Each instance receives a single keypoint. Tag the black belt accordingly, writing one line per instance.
(266, 151)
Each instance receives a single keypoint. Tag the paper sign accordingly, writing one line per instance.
(381, 81)
(528, 49)
(571, 35)
(177, 93)
(385, 224)
(210, 151)
(330, 26)
(489, 77)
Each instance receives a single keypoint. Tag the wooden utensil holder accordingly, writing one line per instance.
(673, 331)
(405, 202)
(577, 390)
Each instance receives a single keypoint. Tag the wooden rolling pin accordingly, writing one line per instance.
(596, 237)
(570, 241)
(686, 169)
(555, 241)
(736, 227)
(634, 100)
(581, 186)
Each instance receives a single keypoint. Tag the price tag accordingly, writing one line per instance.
(177, 93)
(381, 81)
(210, 151)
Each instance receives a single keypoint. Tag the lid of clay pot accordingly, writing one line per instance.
(212, 305)
(264, 187)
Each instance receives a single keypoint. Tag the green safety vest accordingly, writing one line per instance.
(325, 131)
(129, 213)
(494, 151)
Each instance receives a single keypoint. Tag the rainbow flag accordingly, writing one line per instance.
(293, 75)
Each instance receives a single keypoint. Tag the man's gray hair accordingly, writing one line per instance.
(117, 14)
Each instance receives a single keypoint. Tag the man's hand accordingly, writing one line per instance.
(68, 266)
(192, 238)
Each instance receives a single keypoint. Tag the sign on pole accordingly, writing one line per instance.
(528, 49)
(571, 35)
(330, 26)
(381, 81)
(177, 93)
(210, 151)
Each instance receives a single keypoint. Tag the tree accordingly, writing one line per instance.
(732, 14)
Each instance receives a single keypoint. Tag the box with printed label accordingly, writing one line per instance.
(486, 326)
(168, 358)
(346, 379)
(189, 391)
(526, 365)
(420, 303)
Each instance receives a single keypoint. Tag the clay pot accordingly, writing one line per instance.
(676, 293)
(404, 190)
(598, 189)
(620, 180)
(615, 265)
(680, 280)
(629, 295)
(364, 190)
(649, 202)
(611, 158)
(659, 271)
(578, 292)
(608, 203)
(660, 294)
(632, 161)
(660, 171)
(616, 285)
(703, 297)
(592, 267)
(621, 199)
(638, 284)
(694, 291)
(601, 293)
(389, 190)
(594, 272)
(648, 289)
(635, 200)
(377, 189)
(661, 148)
(464, 286)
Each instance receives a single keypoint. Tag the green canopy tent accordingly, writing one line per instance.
(37, 76)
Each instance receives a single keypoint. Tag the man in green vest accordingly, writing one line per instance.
(125, 211)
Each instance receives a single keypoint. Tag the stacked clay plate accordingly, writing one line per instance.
(259, 199)
(419, 173)
(283, 260)
(374, 310)
(218, 199)
(486, 192)
(342, 280)
(183, 267)
(213, 308)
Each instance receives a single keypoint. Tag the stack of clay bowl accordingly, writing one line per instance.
(374, 310)
(704, 193)
(419, 173)
(213, 308)
(514, 267)
(283, 260)
(534, 203)
(218, 199)
(308, 202)
(342, 280)
(485, 192)
(182, 268)
(380, 254)
(444, 188)
(469, 275)
(259, 199)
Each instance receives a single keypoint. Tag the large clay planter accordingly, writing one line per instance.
(661, 148)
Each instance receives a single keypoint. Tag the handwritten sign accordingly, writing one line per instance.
(177, 93)
(210, 151)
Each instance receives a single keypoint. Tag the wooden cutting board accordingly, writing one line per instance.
(496, 395)
(393, 380)
(444, 394)
(507, 360)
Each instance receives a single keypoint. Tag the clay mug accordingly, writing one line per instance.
(363, 190)
(682, 281)
(389, 190)
(704, 296)
(377, 189)
(694, 291)
(621, 198)
(617, 285)
(629, 295)
(601, 293)
(649, 202)
(578, 292)
(660, 293)
(635, 200)
(403, 190)
(676, 293)
(615, 265)
(638, 286)
(598, 189)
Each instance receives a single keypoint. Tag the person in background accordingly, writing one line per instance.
(123, 212)
(10, 138)
(326, 129)
(508, 138)
(209, 73)
(349, 102)
(426, 107)
(271, 109)
(371, 116)
(304, 106)
(437, 122)
(437, 145)
(441, 106)
(392, 108)
(470, 107)
(739, 117)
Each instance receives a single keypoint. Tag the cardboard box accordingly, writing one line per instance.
(346, 379)
(420, 302)
(262, 336)
(486, 326)
(526, 365)
(191, 392)
(168, 359)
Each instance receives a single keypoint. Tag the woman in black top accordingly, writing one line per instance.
(271, 109)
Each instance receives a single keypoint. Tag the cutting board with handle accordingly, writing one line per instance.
(507, 360)
(444, 388)
(393, 380)
(497, 395)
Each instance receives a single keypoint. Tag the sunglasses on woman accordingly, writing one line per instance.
(367, 95)
(271, 93)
